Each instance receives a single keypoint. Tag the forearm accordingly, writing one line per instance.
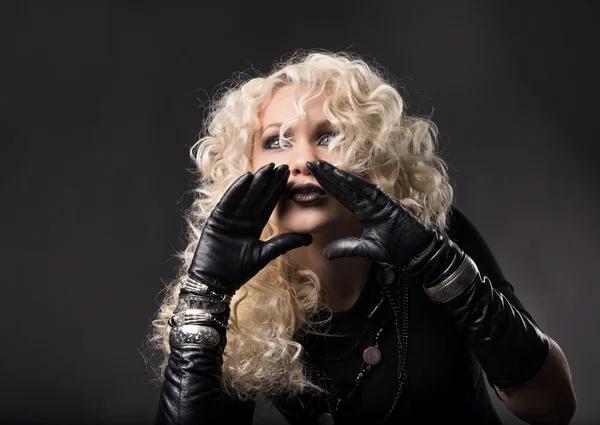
(192, 389)
(529, 372)
(507, 344)
(546, 398)
(509, 347)
(228, 254)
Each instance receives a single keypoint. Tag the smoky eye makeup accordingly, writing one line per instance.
(327, 135)
(274, 142)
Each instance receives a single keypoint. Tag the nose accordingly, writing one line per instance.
(301, 152)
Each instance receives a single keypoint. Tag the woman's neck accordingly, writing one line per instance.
(343, 279)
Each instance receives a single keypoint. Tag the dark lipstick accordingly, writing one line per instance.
(307, 193)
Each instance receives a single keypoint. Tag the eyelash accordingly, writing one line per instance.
(271, 139)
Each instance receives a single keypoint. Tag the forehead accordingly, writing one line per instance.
(284, 104)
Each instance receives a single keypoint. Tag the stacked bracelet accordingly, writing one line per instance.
(204, 303)
(199, 288)
(195, 317)
(199, 309)
(194, 334)
(465, 275)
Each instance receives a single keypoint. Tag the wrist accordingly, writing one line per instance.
(205, 309)
(205, 336)
(194, 286)
(436, 261)
(458, 277)
(193, 326)
(201, 316)
(212, 276)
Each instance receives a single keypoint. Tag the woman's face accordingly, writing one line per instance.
(310, 137)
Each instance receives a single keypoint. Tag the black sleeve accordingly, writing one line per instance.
(464, 233)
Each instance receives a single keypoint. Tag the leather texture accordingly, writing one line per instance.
(230, 252)
(507, 344)
(509, 347)
(392, 234)
(191, 392)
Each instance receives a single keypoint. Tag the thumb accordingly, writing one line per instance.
(347, 247)
(281, 244)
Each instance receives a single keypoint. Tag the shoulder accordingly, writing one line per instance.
(462, 231)
(460, 227)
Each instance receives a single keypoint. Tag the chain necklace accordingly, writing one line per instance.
(400, 314)
(368, 326)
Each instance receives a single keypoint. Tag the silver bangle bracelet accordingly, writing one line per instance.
(194, 334)
(455, 284)
(203, 289)
(194, 317)
(197, 302)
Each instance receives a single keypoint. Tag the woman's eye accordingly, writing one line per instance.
(273, 143)
(268, 144)
(276, 143)
(327, 138)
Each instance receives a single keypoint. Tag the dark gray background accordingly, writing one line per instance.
(101, 100)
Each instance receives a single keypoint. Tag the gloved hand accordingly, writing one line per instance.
(391, 234)
(509, 347)
(229, 252)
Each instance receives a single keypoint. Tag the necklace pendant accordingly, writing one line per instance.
(386, 276)
(372, 356)
(326, 418)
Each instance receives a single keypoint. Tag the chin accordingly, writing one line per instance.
(306, 220)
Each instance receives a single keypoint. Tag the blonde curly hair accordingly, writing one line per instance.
(375, 138)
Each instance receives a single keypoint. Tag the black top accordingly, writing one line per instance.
(444, 380)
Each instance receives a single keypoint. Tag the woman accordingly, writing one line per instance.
(328, 272)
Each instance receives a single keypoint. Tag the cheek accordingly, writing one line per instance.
(333, 157)
(260, 159)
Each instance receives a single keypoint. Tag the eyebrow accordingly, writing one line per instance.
(323, 125)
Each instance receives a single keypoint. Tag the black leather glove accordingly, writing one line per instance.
(229, 252)
(391, 235)
(191, 392)
(509, 347)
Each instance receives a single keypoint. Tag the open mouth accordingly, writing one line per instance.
(307, 193)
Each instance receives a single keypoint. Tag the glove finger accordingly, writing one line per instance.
(363, 188)
(347, 247)
(272, 193)
(234, 193)
(281, 244)
(335, 185)
(352, 247)
(260, 180)
(371, 198)
(329, 182)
